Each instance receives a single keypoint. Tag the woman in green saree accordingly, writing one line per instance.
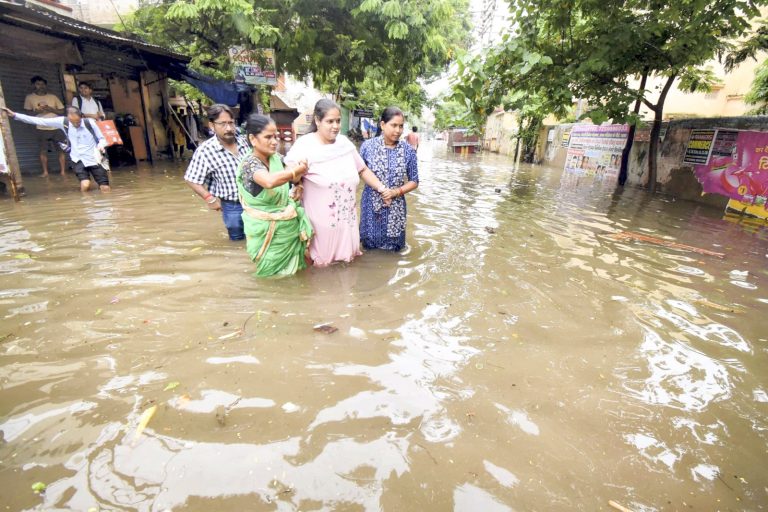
(276, 228)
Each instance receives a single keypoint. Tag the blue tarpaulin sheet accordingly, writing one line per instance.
(219, 91)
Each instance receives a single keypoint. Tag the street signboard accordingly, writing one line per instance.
(253, 67)
(363, 112)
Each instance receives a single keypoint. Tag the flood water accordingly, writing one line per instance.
(518, 356)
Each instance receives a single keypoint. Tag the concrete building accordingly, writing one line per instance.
(725, 100)
(103, 13)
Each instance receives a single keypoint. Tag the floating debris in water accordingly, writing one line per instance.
(145, 417)
(221, 415)
(628, 235)
(326, 328)
(618, 506)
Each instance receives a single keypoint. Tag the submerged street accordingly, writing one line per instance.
(524, 353)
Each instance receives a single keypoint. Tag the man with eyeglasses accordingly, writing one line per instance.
(213, 169)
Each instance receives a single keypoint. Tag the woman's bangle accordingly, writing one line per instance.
(400, 191)
(211, 200)
(293, 173)
(207, 197)
(381, 189)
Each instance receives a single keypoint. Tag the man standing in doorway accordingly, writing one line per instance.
(413, 138)
(88, 105)
(43, 104)
(86, 141)
(213, 169)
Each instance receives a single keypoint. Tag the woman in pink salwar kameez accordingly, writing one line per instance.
(330, 186)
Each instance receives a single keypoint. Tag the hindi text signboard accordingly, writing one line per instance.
(596, 150)
(737, 168)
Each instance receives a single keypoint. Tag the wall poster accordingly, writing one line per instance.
(596, 150)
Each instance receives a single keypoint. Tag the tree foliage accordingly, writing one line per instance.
(600, 51)
(758, 92)
(339, 43)
(452, 113)
(375, 93)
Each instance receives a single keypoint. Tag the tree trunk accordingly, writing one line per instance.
(624, 172)
(532, 137)
(519, 136)
(653, 151)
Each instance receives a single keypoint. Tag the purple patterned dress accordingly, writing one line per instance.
(383, 227)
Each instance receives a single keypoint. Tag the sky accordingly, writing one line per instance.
(497, 23)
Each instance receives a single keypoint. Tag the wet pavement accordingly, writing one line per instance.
(522, 354)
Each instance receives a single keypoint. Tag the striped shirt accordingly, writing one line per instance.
(216, 168)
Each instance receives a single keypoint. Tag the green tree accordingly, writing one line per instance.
(374, 92)
(451, 113)
(336, 42)
(604, 52)
(758, 92)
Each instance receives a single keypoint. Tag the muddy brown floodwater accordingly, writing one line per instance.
(518, 356)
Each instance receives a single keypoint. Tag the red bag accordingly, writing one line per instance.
(109, 130)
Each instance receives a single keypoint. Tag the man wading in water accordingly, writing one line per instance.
(87, 144)
(213, 170)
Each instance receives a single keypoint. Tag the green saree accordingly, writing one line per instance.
(277, 230)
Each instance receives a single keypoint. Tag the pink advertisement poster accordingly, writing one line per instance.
(738, 167)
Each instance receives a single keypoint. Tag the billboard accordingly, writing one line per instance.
(253, 67)
(737, 167)
(596, 150)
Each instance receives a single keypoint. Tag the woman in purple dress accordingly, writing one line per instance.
(394, 162)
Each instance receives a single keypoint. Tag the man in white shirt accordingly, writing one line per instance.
(44, 104)
(88, 105)
(86, 141)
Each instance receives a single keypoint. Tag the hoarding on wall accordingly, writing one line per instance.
(253, 67)
(738, 168)
(699, 145)
(596, 150)
(566, 138)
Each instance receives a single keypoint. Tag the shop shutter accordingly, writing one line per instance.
(14, 76)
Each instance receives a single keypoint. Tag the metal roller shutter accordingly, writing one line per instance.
(15, 75)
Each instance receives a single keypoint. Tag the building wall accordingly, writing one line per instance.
(676, 179)
(57, 6)
(725, 101)
(501, 133)
(105, 13)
